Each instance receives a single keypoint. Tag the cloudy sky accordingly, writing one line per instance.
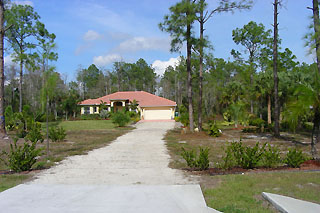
(104, 31)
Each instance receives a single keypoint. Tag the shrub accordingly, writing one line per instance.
(104, 114)
(228, 159)
(177, 118)
(201, 162)
(57, 133)
(132, 114)
(90, 117)
(21, 157)
(120, 118)
(294, 158)
(249, 130)
(9, 118)
(203, 159)
(189, 157)
(271, 156)
(34, 134)
(184, 119)
(214, 130)
(258, 122)
(245, 156)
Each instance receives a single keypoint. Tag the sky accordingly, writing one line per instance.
(101, 32)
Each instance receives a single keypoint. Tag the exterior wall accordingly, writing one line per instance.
(91, 110)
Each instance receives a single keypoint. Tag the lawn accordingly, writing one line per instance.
(242, 193)
(82, 136)
(82, 125)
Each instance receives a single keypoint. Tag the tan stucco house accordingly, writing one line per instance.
(151, 107)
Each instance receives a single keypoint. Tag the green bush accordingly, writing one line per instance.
(245, 156)
(294, 158)
(120, 118)
(104, 114)
(184, 119)
(228, 159)
(9, 118)
(21, 157)
(57, 133)
(201, 162)
(271, 156)
(90, 117)
(258, 122)
(214, 130)
(249, 130)
(34, 134)
(189, 157)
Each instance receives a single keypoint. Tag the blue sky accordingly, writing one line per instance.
(104, 31)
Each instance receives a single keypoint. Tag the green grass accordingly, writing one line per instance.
(8, 181)
(82, 125)
(242, 193)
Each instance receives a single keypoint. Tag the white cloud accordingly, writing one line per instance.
(104, 60)
(23, 3)
(91, 36)
(8, 60)
(143, 43)
(160, 66)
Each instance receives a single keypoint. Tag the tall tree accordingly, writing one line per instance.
(275, 69)
(22, 20)
(253, 37)
(179, 24)
(2, 31)
(204, 16)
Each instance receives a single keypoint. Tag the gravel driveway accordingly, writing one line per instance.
(138, 157)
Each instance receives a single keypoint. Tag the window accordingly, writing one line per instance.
(94, 109)
(86, 110)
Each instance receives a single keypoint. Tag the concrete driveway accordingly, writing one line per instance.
(129, 175)
(139, 157)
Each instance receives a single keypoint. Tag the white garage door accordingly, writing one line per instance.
(157, 113)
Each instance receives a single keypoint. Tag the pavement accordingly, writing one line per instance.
(129, 175)
(291, 205)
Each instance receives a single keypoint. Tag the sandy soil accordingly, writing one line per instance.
(139, 157)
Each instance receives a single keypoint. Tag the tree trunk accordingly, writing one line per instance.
(269, 109)
(2, 120)
(189, 84)
(316, 24)
(275, 70)
(200, 71)
(20, 86)
(315, 133)
(47, 124)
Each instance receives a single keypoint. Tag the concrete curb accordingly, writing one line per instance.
(290, 205)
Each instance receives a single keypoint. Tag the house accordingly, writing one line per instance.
(151, 107)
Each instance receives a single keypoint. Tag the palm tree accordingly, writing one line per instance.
(307, 99)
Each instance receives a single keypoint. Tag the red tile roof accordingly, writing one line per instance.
(144, 99)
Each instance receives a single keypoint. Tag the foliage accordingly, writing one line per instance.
(9, 118)
(120, 118)
(22, 157)
(294, 158)
(249, 130)
(245, 156)
(34, 133)
(201, 162)
(258, 122)
(104, 114)
(214, 130)
(238, 112)
(271, 156)
(57, 133)
(90, 117)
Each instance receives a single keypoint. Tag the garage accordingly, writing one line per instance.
(158, 113)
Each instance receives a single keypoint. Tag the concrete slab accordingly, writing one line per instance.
(291, 205)
(35, 198)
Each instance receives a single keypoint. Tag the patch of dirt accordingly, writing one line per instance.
(310, 165)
